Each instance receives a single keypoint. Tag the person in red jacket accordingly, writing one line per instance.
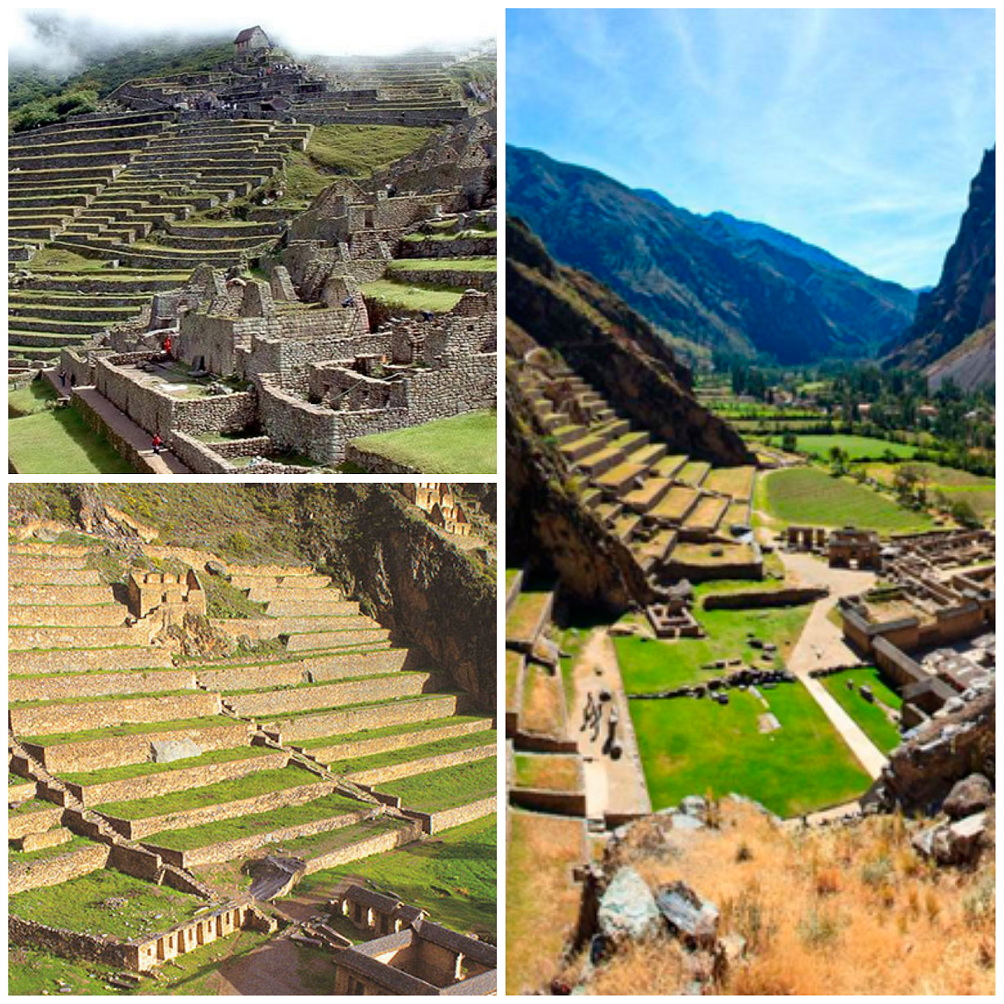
(157, 443)
(167, 344)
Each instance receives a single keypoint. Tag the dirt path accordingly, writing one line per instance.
(822, 645)
(614, 786)
(278, 967)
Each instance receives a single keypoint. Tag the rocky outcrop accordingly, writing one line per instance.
(922, 771)
(963, 301)
(611, 347)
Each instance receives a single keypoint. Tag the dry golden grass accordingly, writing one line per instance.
(844, 910)
(543, 702)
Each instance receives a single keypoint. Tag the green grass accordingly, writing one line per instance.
(453, 875)
(80, 905)
(388, 730)
(262, 822)
(429, 296)
(648, 666)
(856, 447)
(75, 843)
(260, 782)
(359, 150)
(693, 747)
(32, 805)
(31, 973)
(134, 729)
(59, 442)
(38, 396)
(452, 744)
(869, 716)
(525, 615)
(451, 264)
(145, 769)
(549, 771)
(444, 789)
(809, 495)
(463, 444)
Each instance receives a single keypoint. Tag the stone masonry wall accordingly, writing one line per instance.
(448, 818)
(67, 944)
(379, 844)
(81, 685)
(327, 695)
(55, 871)
(381, 775)
(382, 744)
(376, 717)
(168, 781)
(33, 822)
(84, 660)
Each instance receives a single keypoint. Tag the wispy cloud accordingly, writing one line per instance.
(857, 129)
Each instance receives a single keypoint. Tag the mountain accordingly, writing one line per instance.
(962, 304)
(717, 281)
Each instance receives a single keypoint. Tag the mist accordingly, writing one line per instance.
(59, 42)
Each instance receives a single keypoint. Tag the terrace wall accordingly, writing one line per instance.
(379, 844)
(436, 822)
(54, 871)
(756, 600)
(379, 775)
(567, 803)
(84, 660)
(68, 944)
(52, 688)
(326, 695)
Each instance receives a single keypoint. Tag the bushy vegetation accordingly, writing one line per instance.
(50, 110)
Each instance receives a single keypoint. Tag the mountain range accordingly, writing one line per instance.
(715, 281)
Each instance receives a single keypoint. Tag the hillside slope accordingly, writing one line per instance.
(715, 285)
(963, 302)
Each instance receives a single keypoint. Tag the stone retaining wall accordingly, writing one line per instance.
(758, 600)
(383, 744)
(20, 638)
(447, 819)
(84, 660)
(374, 463)
(377, 717)
(335, 639)
(66, 615)
(54, 871)
(379, 844)
(67, 944)
(116, 751)
(46, 577)
(327, 695)
(49, 719)
(152, 785)
(137, 829)
(245, 846)
(38, 594)
(460, 278)
(53, 687)
(380, 775)
(460, 247)
(33, 822)
(567, 803)
(249, 677)
(336, 667)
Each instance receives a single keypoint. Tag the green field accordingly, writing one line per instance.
(869, 717)
(856, 447)
(452, 744)
(693, 747)
(809, 495)
(444, 789)
(412, 296)
(81, 905)
(463, 444)
(59, 442)
(648, 666)
(453, 875)
(38, 396)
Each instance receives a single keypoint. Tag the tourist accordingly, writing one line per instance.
(167, 345)
(62, 378)
(587, 711)
(157, 443)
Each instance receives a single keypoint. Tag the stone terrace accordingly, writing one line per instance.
(125, 755)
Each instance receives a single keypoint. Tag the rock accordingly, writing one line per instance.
(695, 805)
(687, 824)
(628, 909)
(546, 651)
(969, 796)
(169, 750)
(692, 919)
(955, 843)
(733, 948)
(215, 567)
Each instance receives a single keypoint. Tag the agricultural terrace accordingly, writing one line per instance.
(809, 495)
(855, 447)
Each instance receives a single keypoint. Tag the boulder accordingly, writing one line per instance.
(955, 843)
(627, 908)
(169, 750)
(690, 918)
(969, 796)
(695, 805)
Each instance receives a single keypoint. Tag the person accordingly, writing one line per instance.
(426, 316)
(587, 711)
(62, 378)
(73, 379)
(156, 443)
(167, 344)
(348, 302)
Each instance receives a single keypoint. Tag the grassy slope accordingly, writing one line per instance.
(808, 495)
(444, 789)
(869, 716)
(697, 746)
(453, 875)
(59, 443)
(463, 444)
(36, 397)
(857, 447)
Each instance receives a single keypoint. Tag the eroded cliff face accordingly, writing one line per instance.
(964, 299)
(610, 346)
(544, 519)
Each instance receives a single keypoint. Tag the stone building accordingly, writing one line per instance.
(170, 594)
(373, 912)
(250, 39)
(852, 546)
(423, 959)
(438, 499)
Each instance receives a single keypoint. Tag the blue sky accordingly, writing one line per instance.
(857, 130)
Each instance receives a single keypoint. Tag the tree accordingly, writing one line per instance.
(789, 442)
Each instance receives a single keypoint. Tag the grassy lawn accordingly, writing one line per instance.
(444, 789)
(412, 296)
(76, 843)
(59, 442)
(869, 716)
(261, 782)
(648, 666)
(462, 444)
(246, 826)
(697, 746)
(38, 396)
(360, 149)
(453, 875)
(388, 730)
(391, 758)
(542, 900)
(138, 728)
(856, 447)
(809, 495)
(551, 771)
(144, 769)
(82, 905)
(452, 264)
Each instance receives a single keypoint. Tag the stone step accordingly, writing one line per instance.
(57, 686)
(336, 639)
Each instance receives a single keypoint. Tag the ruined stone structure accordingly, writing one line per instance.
(851, 546)
(443, 507)
(169, 594)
